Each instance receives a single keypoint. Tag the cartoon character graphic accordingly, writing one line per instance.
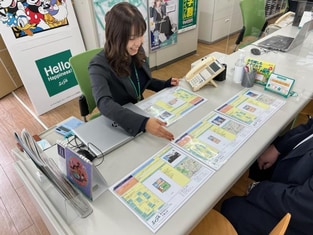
(27, 17)
(12, 14)
(78, 172)
(34, 11)
(9, 10)
(56, 13)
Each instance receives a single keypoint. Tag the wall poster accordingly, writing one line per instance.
(101, 7)
(163, 17)
(187, 15)
(41, 36)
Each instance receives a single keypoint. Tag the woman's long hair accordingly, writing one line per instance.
(121, 21)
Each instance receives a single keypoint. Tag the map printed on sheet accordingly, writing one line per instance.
(171, 104)
(251, 107)
(160, 186)
(214, 139)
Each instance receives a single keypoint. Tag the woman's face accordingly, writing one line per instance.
(134, 44)
(158, 3)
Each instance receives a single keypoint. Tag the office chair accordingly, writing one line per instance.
(254, 21)
(216, 223)
(79, 64)
(281, 227)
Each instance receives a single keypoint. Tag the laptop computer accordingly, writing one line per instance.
(285, 43)
(102, 135)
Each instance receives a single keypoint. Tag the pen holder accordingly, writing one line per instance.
(248, 78)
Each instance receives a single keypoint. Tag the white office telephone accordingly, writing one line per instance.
(283, 21)
(204, 72)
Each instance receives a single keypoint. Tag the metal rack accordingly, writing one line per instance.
(275, 7)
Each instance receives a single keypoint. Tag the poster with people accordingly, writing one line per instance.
(161, 24)
(101, 7)
(163, 19)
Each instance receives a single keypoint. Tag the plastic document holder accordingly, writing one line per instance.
(49, 171)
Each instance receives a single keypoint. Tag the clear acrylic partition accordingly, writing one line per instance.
(219, 20)
(222, 19)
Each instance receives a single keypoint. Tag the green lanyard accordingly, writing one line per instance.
(138, 92)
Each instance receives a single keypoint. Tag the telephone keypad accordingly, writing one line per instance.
(196, 80)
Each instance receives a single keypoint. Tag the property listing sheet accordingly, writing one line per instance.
(251, 107)
(171, 104)
(214, 139)
(161, 185)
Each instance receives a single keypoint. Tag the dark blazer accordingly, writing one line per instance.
(291, 186)
(111, 92)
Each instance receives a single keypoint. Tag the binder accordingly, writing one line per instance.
(84, 175)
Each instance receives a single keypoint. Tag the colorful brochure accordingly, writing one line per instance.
(264, 69)
(82, 173)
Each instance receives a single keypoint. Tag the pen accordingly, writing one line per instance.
(247, 68)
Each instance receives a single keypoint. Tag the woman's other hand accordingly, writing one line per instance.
(156, 127)
(175, 81)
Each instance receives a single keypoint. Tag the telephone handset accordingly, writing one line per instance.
(288, 16)
(204, 72)
(283, 21)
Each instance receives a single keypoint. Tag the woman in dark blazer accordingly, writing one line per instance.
(120, 73)
(289, 187)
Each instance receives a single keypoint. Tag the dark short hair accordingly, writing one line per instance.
(119, 23)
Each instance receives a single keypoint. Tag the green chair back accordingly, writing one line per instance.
(253, 16)
(254, 21)
(79, 64)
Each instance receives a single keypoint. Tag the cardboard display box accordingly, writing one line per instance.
(9, 77)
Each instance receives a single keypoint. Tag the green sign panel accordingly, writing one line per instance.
(56, 72)
(187, 13)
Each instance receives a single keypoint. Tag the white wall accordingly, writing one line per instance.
(186, 41)
(86, 20)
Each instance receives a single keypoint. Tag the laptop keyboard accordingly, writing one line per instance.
(278, 42)
(283, 42)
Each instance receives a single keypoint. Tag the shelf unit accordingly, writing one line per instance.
(218, 19)
(275, 7)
